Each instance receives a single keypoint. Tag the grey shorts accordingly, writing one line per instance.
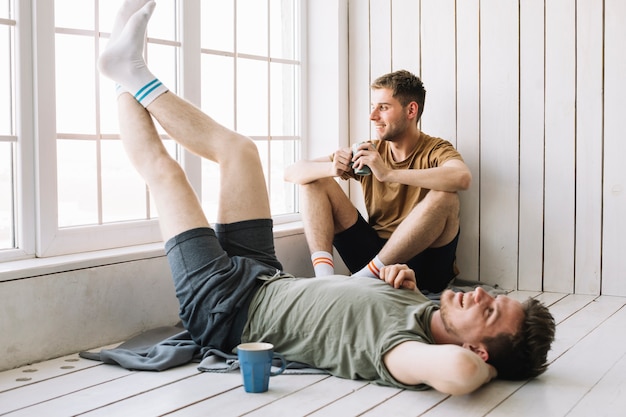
(215, 276)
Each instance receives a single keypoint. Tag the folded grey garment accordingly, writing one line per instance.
(154, 350)
(167, 347)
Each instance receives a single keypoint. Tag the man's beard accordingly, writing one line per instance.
(395, 132)
(443, 311)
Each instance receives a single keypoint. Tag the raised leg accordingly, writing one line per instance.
(242, 193)
(177, 204)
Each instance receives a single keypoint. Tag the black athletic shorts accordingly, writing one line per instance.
(434, 268)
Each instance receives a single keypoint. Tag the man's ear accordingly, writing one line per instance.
(479, 349)
(413, 108)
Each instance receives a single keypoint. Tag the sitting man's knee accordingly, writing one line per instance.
(443, 198)
(320, 184)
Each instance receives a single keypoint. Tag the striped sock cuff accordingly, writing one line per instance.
(149, 92)
(323, 260)
(373, 268)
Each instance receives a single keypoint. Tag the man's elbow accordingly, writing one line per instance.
(465, 180)
(290, 174)
(468, 379)
(468, 376)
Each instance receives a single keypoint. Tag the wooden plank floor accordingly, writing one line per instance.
(587, 377)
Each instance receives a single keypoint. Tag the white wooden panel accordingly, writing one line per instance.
(560, 146)
(577, 326)
(359, 80)
(171, 397)
(531, 145)
(609, 392)
(405, 35)
(380, 50)
(360, 77)
(566, 306)
(57, 387)
(476, 404)
(357, 402)
(499, 144)
(34, 373)
(614, 220)
(380, 37)
(588, 146)
(96, 391)
(380, 41)
(468, 131)
(522, 296)
(439, 68)
(407, 404)
(317, 396)
(237, 402)
(327, 108)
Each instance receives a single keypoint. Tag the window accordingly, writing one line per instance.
(240, 57)
(8, 137)
(8, 134)
(251, 83)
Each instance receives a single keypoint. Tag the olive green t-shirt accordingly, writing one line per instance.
(344, 325)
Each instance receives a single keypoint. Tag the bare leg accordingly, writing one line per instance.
(243, 194)
(243, 191)
(433, 223)
(326, 210)
(177, 204)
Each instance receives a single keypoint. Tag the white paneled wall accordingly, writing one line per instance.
(531, 92)
(613, 151)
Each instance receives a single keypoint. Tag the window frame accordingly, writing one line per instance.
(37, 229)
(24, 171)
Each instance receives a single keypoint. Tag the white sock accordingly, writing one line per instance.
(129, 8)
(372, 269)
(123, 62)
(323, 264)
(121, 18)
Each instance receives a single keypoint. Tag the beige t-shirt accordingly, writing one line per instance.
(388, 204)
(344, 325)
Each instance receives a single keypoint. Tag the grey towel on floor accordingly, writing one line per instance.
(154, 350)
(167, 347)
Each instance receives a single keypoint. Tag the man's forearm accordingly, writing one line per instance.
(449, 179)
(304, 172)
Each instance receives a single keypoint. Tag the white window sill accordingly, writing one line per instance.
(44, 266)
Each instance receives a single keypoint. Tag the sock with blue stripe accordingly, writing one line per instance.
(123, 62)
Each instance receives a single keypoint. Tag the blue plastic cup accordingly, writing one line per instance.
(255, 362)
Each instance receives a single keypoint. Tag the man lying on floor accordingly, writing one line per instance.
(232, 289)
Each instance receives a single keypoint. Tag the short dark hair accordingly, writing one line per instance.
(406, 88)
(524, 354)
